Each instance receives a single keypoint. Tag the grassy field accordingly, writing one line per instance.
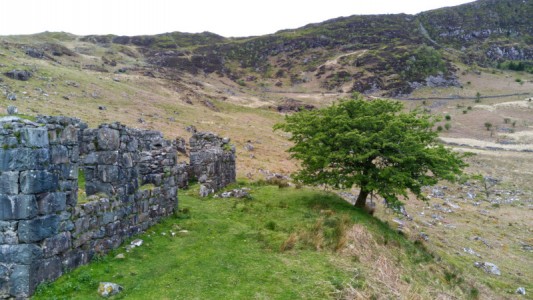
(282, 243)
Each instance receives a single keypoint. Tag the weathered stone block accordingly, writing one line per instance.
(20, 254)
(37, 181)
(74, 259)
(8, 233)
(72, 198)
(20, 281)
(9, 183)
(17, 207)
(90, 159)
(108, 217)
(108, 173)
(74, 154)
(92, 188)
(59, 154)
(35, 137)
(24, 159)
(44, 270)
(81, 225)
(82, 239)
(69, 135)
(4, 281)
(127, 160)
(38, 229)
(49, 203)
(107, 157)
(57, 244)
(108, 139)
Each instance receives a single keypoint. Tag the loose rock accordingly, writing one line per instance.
(471, 251)
(204, 191)
(106, 289)
(137, 243)
(521, 291)
(19, 75)
(488, 267)
(236, 193)
(12, 110)
(249, 147)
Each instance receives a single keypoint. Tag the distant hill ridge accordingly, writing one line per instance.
(387, 55)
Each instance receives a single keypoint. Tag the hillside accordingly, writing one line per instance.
(380, 54)
(469, 64)
(277, 244)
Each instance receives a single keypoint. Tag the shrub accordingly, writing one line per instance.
(425, 61)
(271, 225)
(478, 97)
(488, 125)
(448, 117)
(447, 126)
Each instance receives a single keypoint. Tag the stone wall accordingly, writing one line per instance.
(45, 231)
(38, 185)
(212, 161)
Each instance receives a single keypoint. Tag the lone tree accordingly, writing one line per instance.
(372, 145)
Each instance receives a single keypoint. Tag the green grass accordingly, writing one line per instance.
(232, 250)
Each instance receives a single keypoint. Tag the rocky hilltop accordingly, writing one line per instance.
(386, 54)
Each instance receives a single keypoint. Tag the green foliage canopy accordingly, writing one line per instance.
(372, 145)
(424, 62)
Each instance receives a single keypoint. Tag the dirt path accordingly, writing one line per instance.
(484, 145)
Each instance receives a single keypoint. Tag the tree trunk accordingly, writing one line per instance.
(361, 199)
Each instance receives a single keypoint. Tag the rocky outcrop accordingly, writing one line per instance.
(19, 75)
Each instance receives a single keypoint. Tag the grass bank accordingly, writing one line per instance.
(282, 243)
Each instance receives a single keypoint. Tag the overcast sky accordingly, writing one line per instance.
(229, 18)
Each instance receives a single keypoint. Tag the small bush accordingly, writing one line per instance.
(271, 225)
(474, 293)
(447, 126)
(506, 120)
(448, 117)
(439, 128)
(465, 112)
(488, 126)
(478, 97)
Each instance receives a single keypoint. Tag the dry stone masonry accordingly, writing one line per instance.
(212, 161)
(45, 231)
